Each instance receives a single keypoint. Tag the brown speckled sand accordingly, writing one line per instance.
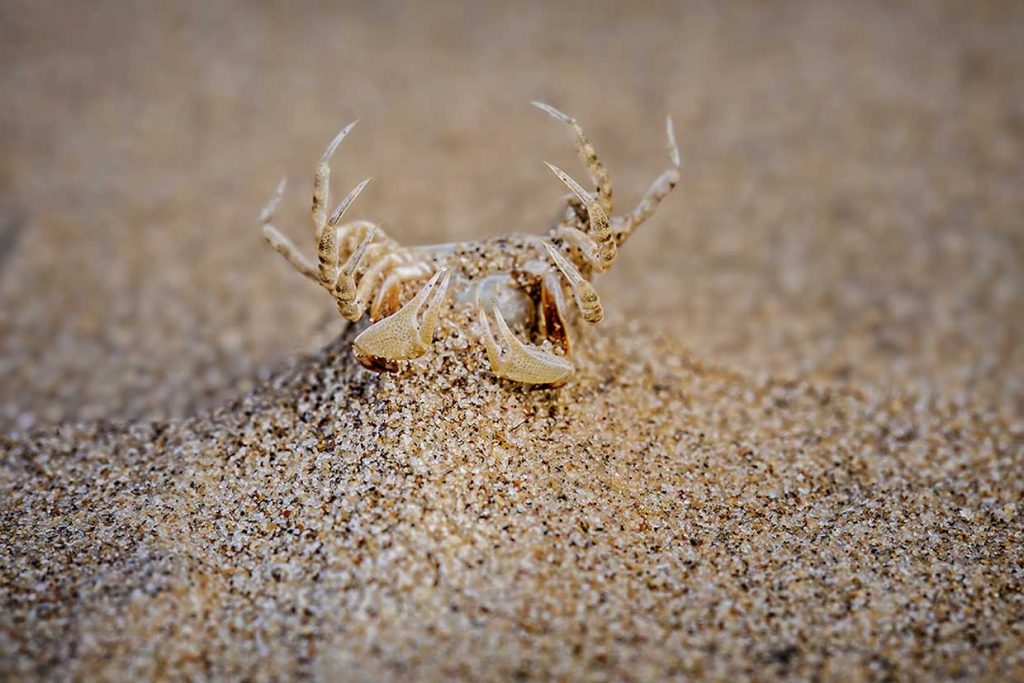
(658, 517)
(794, 450)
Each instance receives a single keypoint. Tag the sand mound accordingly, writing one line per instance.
(657, 516)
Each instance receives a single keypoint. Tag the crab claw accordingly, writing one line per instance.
(520, 362)
(402, 336)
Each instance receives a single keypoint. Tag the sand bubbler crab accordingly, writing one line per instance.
(518, 281)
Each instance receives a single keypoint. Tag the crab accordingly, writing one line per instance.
(514, 285)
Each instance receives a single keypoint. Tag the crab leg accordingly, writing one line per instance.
(588, 155)
(519, 362)
(386, 301)
(327, 248)
(382, 264)
(584, 293)
(401, 336)
(325, 231)
(351, 234)
(582, 241)
(281, 244)
(345, 284)
(322, 181)
(624, 227)
(599, 225)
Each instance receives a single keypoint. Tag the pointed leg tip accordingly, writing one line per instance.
(354, 260)
(551, 111)
(333, 145)
(343, 205)
(673, 147)
(268, 209)
(569, 182)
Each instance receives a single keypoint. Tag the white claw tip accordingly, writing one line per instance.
(337, 140)
(577, 189)
(343, 205)
(446, 276)
(442, 273)
(673, 148)
(561, 116)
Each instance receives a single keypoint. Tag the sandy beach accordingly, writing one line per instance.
(793, 450)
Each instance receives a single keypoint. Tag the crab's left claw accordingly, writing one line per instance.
(520, 362)
(406, 334)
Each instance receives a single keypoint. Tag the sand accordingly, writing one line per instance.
(658, 517)
(794, 450)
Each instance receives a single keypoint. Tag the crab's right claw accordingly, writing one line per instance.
(402, 336)
(520, 362)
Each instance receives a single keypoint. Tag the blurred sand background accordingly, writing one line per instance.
(850, 207)
(793, 451)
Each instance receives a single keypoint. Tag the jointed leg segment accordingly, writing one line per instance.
(327, 248)
(626, 226)
(599, 208)
(322, 181)
(584, 292)
(279, 242)
(344, 285)
(599, 230)
(588, 155)
(387, 299)
(334, 240)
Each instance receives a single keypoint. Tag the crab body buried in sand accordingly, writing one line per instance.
(515, 283)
